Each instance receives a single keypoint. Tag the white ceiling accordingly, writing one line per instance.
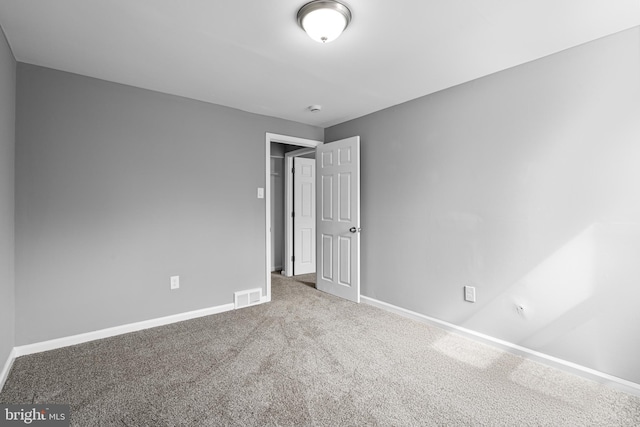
(251, 55)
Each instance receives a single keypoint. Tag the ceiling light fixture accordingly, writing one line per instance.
(324, 20)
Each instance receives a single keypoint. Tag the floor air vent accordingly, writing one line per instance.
(247, 298)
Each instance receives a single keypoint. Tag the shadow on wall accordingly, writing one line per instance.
(571, 305)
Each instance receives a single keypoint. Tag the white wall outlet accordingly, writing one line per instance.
(175, 282)
(260, 193)
(470, 293)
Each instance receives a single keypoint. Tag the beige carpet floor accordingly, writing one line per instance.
(308, 359)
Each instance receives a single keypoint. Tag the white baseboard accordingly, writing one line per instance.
(117, 330)
(7, 367)
(564, 365)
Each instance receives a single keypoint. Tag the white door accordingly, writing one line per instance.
(304, 219)
(338, 218)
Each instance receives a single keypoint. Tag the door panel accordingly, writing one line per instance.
(327, 258)
(344, 258)
(338, 226)
(304, 221)
(345, 196)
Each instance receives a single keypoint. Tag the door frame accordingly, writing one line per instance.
(283, 139)
(287, 266)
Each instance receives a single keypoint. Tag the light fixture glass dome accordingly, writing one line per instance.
(324, 20)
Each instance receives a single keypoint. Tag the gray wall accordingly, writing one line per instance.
(277, 212)
(119, 188)
(7, 160)
(277, 204)
(525, 184)
(277, 149)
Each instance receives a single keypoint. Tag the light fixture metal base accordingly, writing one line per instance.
(324, 4)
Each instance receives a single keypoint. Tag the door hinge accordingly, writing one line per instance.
(293, 258)
(293, 214)
(293, 170)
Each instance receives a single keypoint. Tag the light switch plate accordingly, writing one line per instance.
(470, 293)
(260, 193)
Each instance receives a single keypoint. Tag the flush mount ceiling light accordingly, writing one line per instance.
(324, 20)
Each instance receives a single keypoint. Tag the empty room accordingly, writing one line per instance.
(324, 213)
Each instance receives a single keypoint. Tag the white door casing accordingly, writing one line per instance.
(338, 218)
(283, 139)
(304, 216)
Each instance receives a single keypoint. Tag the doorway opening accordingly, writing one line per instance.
(295, 145)
(293, 222)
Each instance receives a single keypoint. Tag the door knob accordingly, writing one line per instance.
(355, 230)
